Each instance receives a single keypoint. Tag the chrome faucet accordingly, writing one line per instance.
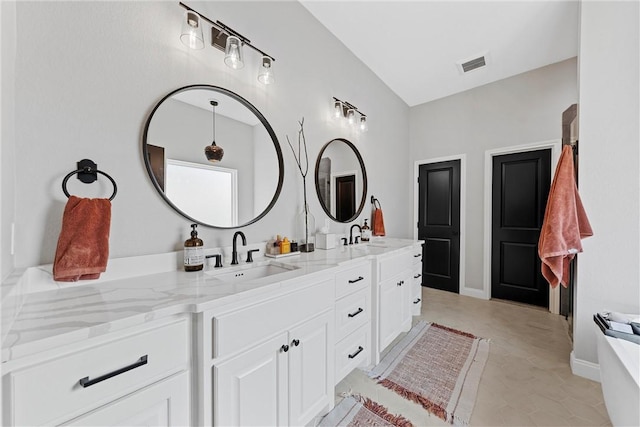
(351, 234)
(234, 254)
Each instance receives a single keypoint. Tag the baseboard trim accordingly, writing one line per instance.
(584, 368)
(476, 293)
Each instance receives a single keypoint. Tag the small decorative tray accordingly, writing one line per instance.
(283, 255)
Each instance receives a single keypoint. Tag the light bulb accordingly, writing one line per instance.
(265, 75)
(191, 35)
(363, 123)
(351, 116)
(233, 53)
(337, 109)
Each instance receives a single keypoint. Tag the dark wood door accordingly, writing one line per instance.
(345, 197)
(521, 184)
(439, 224)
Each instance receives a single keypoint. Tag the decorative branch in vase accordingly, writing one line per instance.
(305, 220)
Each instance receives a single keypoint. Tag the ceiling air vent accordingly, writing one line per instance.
(478, 61)
(473, 64)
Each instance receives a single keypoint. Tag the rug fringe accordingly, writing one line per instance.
(455, 331)
(427, 404)
(382, 412)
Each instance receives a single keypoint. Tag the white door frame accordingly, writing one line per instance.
(463, 213)
(556, 147)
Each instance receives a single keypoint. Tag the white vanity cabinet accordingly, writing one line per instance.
(353, 319)
(136, 377)
(270, 362)
(416, 300)
(393, 292)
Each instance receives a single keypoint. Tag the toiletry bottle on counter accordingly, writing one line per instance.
(278, 245)
(285, 247)
(193, 251)
(365, 233)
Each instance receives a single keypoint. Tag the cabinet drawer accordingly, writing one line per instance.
(352, 312)
(416, 300)
(353, 279)
(416, 255)
(247, 326)
(417, 275)
(395, 264)
(51, 390)
(351, 352)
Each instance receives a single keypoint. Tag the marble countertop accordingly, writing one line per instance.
(56, 314)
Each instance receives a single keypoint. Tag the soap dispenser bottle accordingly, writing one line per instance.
(193, 251)
(365, 232)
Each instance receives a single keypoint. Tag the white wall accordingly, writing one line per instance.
(89, 73)
(608, 270)
(523, 109)
(7, 148)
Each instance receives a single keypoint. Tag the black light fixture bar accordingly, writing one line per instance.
(220, 27)
(347, 105)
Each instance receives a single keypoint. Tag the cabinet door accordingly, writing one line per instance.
(311, 368)
(251, 388)
(406, 298)
(391, 307)
(165, 403)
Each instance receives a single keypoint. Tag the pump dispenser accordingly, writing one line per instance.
(193, 251)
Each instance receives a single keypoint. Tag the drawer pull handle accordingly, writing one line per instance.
(351, 356)
(295, 343)
(284, 348)
(416, 255)
(417, 276)
(360, 310)
(400, 283)
(356, 280)
(86, 382)
(417, 301)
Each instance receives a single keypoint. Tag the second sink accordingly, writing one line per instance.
(252, 271)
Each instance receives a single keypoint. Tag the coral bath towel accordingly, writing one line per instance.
(83, 245)
(565, 223)
(378, 221)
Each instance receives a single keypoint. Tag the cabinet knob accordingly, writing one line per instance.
(295, 343)
(284, 348)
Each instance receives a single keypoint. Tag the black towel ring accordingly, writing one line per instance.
(88, 170)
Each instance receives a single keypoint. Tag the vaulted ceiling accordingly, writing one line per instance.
(416, 47)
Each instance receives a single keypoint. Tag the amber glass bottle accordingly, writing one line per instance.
(193, 251)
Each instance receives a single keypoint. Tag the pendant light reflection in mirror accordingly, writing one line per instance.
(213, 152)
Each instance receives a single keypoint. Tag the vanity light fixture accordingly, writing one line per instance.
(226, 39)
(213, 152)
(347, 111)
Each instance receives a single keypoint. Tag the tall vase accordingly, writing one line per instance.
(306, 230)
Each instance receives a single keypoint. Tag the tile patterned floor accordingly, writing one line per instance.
(527, 380)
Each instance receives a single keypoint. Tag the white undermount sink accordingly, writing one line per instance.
(251, 271)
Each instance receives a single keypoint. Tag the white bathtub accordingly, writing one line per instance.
(620, 378)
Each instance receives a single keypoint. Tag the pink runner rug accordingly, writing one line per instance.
(359, 411)
(437, 367)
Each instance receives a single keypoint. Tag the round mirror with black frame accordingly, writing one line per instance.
(341, 180)
(213, 157)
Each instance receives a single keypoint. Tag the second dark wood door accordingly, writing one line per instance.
(521, 184)
(439, 224)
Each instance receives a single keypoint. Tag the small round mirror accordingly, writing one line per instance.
(213, 157)
(341, 180)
